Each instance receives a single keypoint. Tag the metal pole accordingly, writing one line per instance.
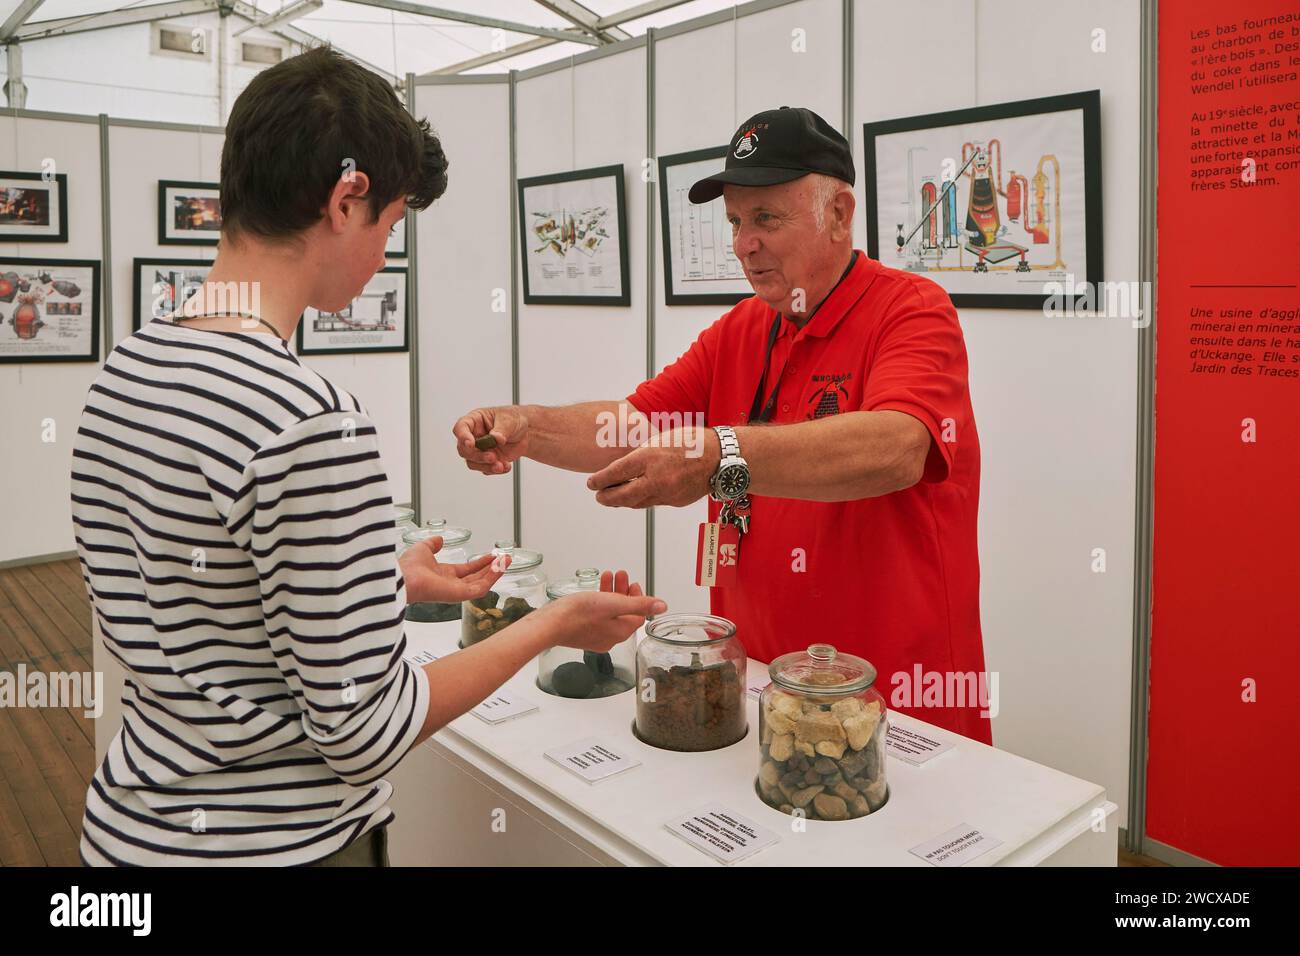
(413, 332)
(1146, 373)
(514, 304)
(650, 191)
(106, 237)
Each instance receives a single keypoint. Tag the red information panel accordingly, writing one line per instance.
(1223, 769)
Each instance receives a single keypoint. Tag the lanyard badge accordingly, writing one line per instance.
(717, 559)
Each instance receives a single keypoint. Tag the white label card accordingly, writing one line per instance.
(722, 834)
(503, 706)
(914, 747)
(423, 657)
(757, 690)
(959, 845)
(592, 759)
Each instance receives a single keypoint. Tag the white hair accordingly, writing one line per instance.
(824, 190)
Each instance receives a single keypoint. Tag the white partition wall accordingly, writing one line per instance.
(1054, 399)
(43, 400)
(590, 114)
(140, 156)
(463, 255)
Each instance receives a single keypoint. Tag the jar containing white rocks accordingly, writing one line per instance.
(822, 729)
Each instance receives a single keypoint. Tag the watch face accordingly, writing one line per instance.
(732, 481)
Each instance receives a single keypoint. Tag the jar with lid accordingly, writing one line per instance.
(822, 729)
(691, 672)
(518, 592)
(454, 551)
(569, 672)
(403, 523)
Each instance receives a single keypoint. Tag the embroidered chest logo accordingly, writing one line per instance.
(825, 399)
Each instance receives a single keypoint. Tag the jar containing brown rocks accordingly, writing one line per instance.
(517, 593)
(690, 692)
(822, 733)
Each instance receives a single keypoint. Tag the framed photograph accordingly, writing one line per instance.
(992, 202)
(375, 321)
(189, 214)
(700, 267)
(161, 287)
(573, 237)
(33, 208)
(49, 310)
(396, 246)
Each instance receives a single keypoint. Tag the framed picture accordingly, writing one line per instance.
(189, 214)
(573, 236)
(161, 287)
(49, 310)
(396, 246)
(33, 208)
(375, 321)
(700, 267)
(993, 203)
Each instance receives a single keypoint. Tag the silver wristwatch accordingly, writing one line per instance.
(731, 480)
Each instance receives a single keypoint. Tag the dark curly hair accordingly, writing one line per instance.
(293, 131)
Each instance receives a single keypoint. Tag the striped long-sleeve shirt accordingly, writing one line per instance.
(235, 530)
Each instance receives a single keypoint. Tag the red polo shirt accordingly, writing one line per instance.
(894, 579)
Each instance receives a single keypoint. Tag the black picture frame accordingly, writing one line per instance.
(395, 248)
(95, 317)
(301, 348)
(137, 288)
(672, 297)
(1087, 102)
(60, 186)
(163, 238)
(617, 172)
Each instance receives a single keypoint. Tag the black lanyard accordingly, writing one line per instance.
(765, 413)
(755, 415)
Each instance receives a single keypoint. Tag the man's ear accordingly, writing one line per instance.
(842, 208)
(346, 199)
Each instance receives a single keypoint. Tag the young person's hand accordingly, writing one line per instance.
(599, 620)
(427, 579)
(508, 426)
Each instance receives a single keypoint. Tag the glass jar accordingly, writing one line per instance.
(403, 522)
(519, 591)
(585, 675)
(821, 731)
(690, 675)
(453, 551)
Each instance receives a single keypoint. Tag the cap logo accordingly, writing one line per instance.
(747, 144)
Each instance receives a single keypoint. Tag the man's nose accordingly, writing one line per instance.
(745, 243)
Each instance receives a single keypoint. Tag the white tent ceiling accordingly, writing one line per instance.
(400, 41)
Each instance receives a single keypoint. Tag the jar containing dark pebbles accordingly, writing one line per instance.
(691, 671)
(585, 675)
(454, 551)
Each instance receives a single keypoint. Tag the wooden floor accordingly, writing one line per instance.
(47, 754)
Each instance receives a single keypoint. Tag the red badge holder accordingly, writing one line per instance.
(717, 556)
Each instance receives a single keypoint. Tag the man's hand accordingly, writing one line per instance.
(600, 620)
(508, 427)
(428, 580)
(669, 471)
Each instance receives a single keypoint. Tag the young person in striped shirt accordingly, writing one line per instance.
(235, 525)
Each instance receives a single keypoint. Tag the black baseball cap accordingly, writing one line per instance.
(776, 146)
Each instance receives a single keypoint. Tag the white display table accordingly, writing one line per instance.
(484, 794)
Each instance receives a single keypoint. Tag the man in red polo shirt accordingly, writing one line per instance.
(834, 436)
